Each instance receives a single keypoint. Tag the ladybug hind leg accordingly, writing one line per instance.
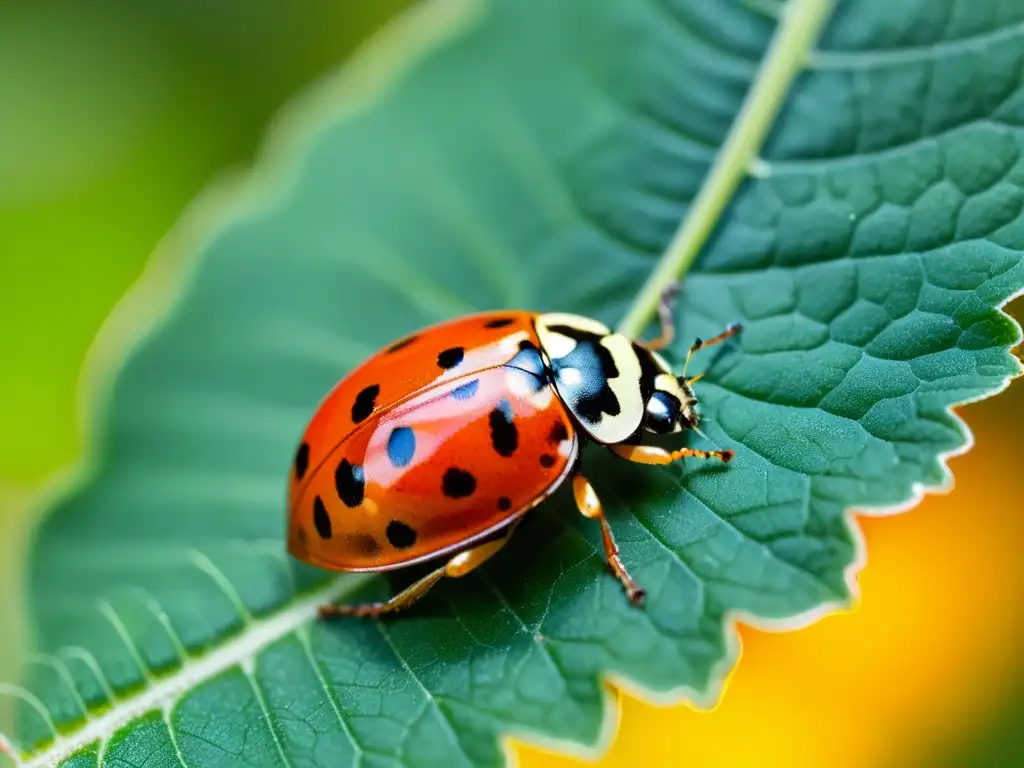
(459, 565)
(590, 506)
(666, 317)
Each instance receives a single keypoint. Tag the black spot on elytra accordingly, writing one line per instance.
(457, 483)
(547, 460)
(301, 461)
(500, 322)
(363, 543)
(504, 435)
(321, 519)
(400, 535)
(451, 357)
(401, 446)
(401, 344)
(558, 433)
(504, 503)
(365, 401)
(349, 480)
(467, 390)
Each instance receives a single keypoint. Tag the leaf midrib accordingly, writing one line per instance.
(164, 694)
(797, 31)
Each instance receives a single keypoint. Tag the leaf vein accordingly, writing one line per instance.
(914, 54)
(767, 168)
(271, 725)
(429, 697)
(765, 549)
(303, 638)
(530, 632)
(738, 64)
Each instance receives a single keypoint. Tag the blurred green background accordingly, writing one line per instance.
(114, 114)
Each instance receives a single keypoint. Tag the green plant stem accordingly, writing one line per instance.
(799, 26)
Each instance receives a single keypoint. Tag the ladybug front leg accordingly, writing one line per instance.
(458, 566)
(652, 454)
(590, 506)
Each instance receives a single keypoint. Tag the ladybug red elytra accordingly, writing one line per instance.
(438, 445)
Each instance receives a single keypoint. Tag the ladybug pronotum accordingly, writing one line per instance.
(438, 445)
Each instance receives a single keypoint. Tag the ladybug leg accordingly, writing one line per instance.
(459, 565)
(666, 315)
(652, 454)
(403, 599)
(471, 559)
(590, 507)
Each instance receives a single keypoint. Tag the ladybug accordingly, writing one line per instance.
(438, 445)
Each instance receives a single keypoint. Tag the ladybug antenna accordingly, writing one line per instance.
(698, 344)
(700, 432)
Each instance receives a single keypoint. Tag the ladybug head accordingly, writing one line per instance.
(669, 402)
(671, 406)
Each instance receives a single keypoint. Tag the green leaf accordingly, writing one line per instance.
(539, 155)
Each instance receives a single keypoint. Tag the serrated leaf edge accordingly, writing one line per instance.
(363, 80)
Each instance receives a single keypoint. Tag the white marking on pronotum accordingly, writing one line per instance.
(579, 322)
(626, 388)
(164, 693)
(558, 345)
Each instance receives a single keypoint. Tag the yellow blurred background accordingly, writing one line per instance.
(113, 115)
